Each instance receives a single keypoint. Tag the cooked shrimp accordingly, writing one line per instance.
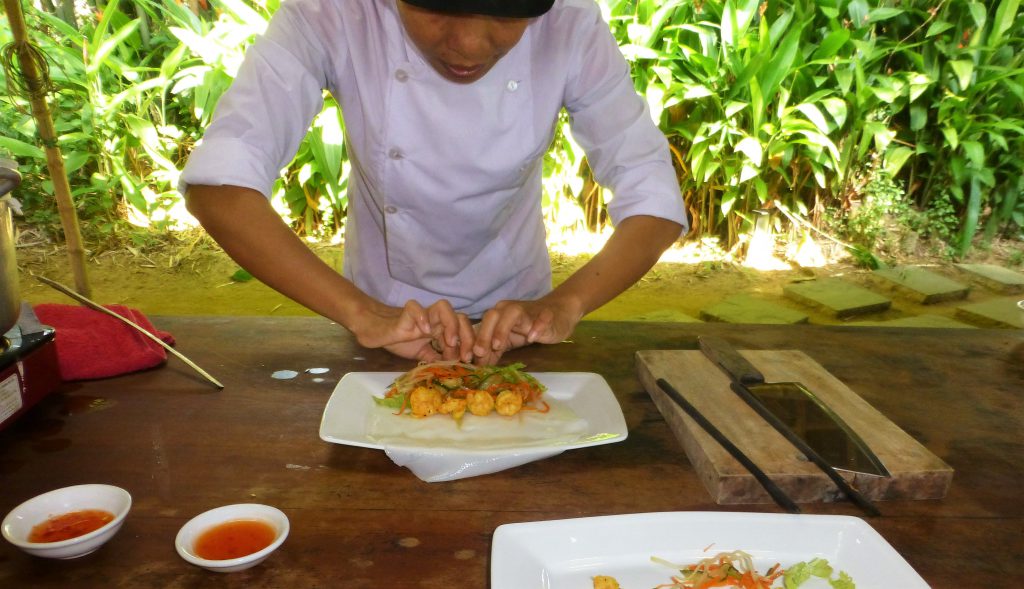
(454, 406)
(480, 403)
(425, 401)
(508, 403)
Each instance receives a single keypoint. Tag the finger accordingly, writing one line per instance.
(466, 338)
(444, 318)
(489, 358)
(513, 318)
(427, 354)
(414, 319)
(541, 329)
(485, 333)
(447, 329)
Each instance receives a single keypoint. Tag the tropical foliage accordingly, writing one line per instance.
(841, 115)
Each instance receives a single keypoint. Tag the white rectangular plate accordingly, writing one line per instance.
(567, 554)
(581, 400)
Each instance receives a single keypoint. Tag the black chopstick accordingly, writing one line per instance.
(854, 495)
(776, 493)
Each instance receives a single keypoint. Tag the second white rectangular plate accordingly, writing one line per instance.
(567, 554)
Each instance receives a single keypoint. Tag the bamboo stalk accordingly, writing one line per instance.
(95, 306)
(48, 137)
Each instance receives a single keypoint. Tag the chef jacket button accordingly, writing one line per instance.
(401, 75)
(512, 85)
(390, 210)
(395, 153)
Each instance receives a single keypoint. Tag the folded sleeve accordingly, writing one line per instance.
(627, 152)
(260, 121)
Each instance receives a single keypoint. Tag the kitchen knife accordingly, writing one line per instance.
(799, 410)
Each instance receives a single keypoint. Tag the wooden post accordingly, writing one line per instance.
(48, 137)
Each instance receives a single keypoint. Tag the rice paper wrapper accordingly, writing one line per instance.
(438, 448)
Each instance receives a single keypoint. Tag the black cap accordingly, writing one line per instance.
(507, 8)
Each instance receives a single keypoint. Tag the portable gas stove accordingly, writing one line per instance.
(28, 366)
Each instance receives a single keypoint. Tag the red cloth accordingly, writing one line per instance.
(91, 344)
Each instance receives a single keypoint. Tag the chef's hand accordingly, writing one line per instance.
(514, 324)
(427, 334)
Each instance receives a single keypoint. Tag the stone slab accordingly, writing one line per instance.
(837, 297)
(996, 278)
(922, 285)
(747, 309)
(924, 321)
(998, 312)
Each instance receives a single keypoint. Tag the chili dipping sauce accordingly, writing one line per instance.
(234, 539)
(70, 525)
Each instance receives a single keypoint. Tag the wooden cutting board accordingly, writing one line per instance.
(916, 472)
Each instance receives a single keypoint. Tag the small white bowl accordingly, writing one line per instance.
(190, 532)
(19, 522)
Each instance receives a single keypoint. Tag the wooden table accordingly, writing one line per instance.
(180, 447)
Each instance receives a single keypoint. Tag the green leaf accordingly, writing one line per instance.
(736, 18)
(883, 13)
(695, 92)
(886, 94)
(814, 115)
(734, 107)
(1004, 18)
(395, 402)
(240, 10)
(844, 77)
(831, 44)
(778, 27)
(241, 275)
(918, 117)
(919, 83)
(751, 148)
(802, 572)
(938, 27)
(858, 11)
(21, 149)
(844, 581)
(952, 138)
(73, 160)
(978, 13)
(837, 108)
(761, 188)
(100, 56)
(895, 158)
(975, 153)
(782, 62)
(964, 70)
(971, 216)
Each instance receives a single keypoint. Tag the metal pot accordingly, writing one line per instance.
(10, 301)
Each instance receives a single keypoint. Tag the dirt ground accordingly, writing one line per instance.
(194, 277)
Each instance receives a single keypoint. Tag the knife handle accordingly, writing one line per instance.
(731, 361)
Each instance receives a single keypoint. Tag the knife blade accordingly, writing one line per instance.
(800, 410)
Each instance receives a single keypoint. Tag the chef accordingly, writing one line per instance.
(449, 108)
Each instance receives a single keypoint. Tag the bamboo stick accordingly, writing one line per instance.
(48, 137)
(96, 306)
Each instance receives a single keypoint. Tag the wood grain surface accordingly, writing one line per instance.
(916, 473)
(359, 521)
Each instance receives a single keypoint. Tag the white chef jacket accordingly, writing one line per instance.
(445, 187)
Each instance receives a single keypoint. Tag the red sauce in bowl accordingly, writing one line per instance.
(70, 525)
(234, 539)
